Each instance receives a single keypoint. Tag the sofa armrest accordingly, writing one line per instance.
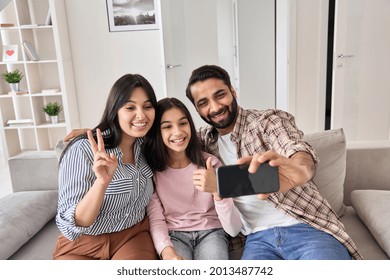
(368, 165)
(32, 171)
(22, 215)
(371, 207)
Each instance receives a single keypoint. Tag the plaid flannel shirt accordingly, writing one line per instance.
(259, 131)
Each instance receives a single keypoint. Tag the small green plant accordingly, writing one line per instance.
(52, 109)
(13, 77)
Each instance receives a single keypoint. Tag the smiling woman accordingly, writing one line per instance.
(130, 15)
(114, 183)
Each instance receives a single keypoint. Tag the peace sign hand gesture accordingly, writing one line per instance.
(104, 165)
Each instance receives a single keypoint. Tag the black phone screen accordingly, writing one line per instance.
(235, 180)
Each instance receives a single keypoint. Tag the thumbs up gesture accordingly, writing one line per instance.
(205, 180)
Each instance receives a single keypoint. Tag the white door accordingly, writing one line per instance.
(361, 72)
(190, 38)
(256, 53)
(213, 32)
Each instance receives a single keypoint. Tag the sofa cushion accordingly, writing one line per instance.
(330, 146)
(372, 207)
(33, 171)
(22, 215)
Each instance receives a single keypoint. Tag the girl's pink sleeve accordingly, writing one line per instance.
(229, 216)
(228, 213)
(158, 226)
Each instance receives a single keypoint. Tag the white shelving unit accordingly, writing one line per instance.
(53, 70)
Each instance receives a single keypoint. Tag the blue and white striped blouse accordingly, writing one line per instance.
(125, 199)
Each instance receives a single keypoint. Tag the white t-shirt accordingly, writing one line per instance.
(256, 214)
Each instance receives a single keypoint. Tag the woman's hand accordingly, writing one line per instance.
(104, 165)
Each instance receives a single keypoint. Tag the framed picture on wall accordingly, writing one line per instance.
(10, 53)
(132, 15)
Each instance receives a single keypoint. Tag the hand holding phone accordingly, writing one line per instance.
(235, 180)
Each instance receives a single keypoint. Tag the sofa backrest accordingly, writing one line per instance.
(367, 167)
(330, 146)
(35, 171)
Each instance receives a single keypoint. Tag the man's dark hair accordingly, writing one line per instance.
(206, 72)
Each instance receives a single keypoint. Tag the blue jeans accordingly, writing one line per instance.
(201, 245)
(296, 242)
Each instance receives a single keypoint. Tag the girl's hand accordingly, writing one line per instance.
(169, 253)
(104, 165)
(205, 180)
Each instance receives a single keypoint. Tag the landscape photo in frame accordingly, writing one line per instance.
(132, 15)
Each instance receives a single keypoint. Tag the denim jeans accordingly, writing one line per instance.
(296, 242)
(201, 245)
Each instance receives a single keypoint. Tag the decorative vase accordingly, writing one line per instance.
(14, 87)
(54, 119)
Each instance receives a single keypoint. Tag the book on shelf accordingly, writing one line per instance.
(30, 25)
(20, 122)
(30, 51)
(21, 92)
(50, 90)
(7, 25)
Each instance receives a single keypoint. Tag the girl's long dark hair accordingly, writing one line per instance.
(119, 95)
(154, 149)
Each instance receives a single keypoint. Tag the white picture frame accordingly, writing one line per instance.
(10, 53)
(132, 15)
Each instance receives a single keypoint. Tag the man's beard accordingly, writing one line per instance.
(229, 120)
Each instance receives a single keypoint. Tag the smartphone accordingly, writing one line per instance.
(235, 180)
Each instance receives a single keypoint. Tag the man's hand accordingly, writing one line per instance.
(205, 180)
(74, 133)
(293, 172)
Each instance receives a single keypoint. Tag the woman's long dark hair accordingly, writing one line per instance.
(119, 95)
(154, 149)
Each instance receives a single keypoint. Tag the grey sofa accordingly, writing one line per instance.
(355, 179)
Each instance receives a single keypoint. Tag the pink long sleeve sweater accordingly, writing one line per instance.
(177, 205)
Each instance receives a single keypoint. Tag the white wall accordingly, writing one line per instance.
(225, 36)
(100, 57)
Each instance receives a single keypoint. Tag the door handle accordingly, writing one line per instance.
(340, 56)
(170, 66)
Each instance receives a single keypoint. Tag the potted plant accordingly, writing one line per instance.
(52, 109)
(13, 78)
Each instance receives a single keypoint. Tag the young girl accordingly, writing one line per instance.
(186, 214)
(104, 187)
